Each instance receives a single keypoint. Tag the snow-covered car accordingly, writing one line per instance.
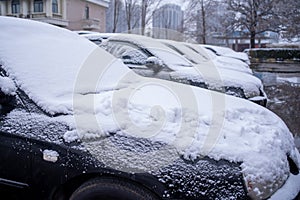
(193, 55)
(76, 123)
(151, 58)
(227, 52)
(225, 61)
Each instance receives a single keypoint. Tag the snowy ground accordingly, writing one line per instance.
(283, 90)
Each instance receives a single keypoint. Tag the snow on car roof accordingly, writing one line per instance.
(204, 56)
(169, 56)
(228, 52)
(59, 70)
(53, 56)
(140, 40)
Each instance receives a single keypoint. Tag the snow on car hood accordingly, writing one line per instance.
(63, 73)
(217, 78)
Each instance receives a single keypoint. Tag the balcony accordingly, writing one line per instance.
(55, 19)
(90, 24)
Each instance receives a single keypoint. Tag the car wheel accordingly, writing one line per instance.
(111, 189)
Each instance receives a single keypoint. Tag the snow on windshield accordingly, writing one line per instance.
(64, 73)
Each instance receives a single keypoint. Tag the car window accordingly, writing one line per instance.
(129, 53)
(200, 54)
(172, 59)
(181, 53)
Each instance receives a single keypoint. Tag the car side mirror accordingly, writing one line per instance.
(7, 95)
(154, 63)
(7, 86)
(126, 57)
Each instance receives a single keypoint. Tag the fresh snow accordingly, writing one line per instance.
(288, 79)
(205, 70)
(7, 86)
(227, 52)
(99, 95)
(217, 78)
(204, 57)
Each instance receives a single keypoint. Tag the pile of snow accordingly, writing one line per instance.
(7, 86)
(99, 96)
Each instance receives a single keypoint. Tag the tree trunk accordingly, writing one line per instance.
(143, 15)
(203, 22)
(116, 16)
(129, 15)
(252, 39)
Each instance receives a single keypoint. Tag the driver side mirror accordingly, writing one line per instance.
(154, 63)
(7, 95)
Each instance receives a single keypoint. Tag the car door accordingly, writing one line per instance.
(14, 151)
(49, 161)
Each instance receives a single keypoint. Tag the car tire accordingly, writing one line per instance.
(111, 189)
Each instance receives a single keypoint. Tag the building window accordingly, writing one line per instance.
(15, 6)
(38, 6)
(54, 6)
(87, 12)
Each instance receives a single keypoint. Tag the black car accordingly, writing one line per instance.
(37, 163)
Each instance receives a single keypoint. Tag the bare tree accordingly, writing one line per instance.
(256, 16)
(148, 7)
(132, 11)
(113, 15)
(289, 16)
(199, 12)
(117, 6)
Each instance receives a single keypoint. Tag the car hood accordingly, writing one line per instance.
(100, 96)
(218, 78)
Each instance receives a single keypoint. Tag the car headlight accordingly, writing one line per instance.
(261, 189)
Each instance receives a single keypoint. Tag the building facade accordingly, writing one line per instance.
(168, 19)
(70, 14)
(87, 15)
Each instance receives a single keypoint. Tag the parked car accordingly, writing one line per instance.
(186, 50)
(151, 58)
(76, 123)
(227, 52)
(225, 61)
